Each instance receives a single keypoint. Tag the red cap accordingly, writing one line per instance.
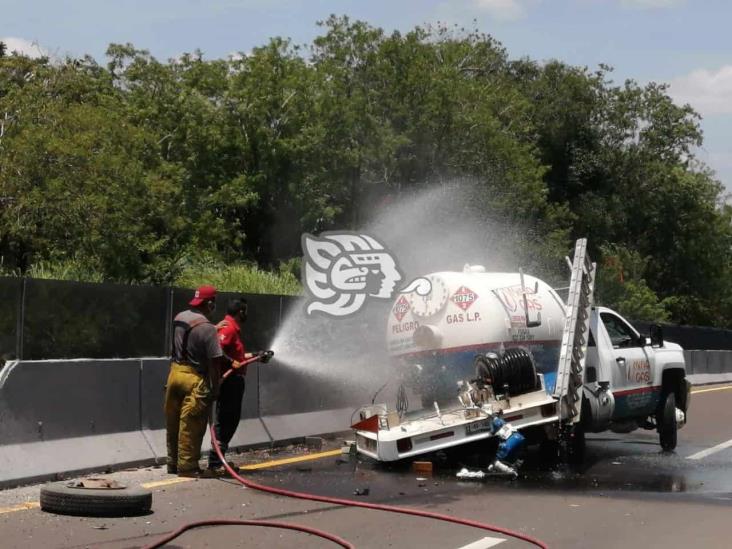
(203, 293)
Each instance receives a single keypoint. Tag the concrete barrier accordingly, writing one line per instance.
(687, 360)
(67, 416)
(309, 400)
(153, 376)
(719, 362)
(319, 422)
(699, 362)
(295, 404)
(251, 431)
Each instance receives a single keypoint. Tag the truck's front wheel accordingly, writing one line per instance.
(666, 419)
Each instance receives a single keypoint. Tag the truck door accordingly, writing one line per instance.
(631, 377)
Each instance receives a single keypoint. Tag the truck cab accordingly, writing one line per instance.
(630, 379)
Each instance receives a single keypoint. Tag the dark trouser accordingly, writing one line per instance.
(228, 412)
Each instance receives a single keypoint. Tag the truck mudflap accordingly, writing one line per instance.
(686, 400)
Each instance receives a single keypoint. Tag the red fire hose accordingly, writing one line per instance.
(333, 501)
(268, 523)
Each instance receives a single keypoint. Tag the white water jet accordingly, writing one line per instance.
(440, 228)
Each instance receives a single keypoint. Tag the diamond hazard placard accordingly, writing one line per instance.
(401, 308)
(464, 298)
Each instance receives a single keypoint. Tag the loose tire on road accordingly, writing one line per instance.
(63, 499)
(667, 427)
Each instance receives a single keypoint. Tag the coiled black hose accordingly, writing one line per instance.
(514, 368)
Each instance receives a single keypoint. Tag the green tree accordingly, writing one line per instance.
(620, 285)
(436, 104)
(83, 184)
(142, 169)
(621, 158)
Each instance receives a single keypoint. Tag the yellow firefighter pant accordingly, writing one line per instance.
(188, 399)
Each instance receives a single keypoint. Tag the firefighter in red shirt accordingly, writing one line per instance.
(231, 394)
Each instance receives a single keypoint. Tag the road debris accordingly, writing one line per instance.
(422, 467)
(314, 443)
(466, 473)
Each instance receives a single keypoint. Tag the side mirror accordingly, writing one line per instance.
(656, 335)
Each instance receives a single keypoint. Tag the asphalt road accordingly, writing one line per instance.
(627, 494)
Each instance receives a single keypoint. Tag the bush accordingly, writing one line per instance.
(239, 277)
(58, 270)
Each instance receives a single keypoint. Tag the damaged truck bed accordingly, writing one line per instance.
(418, 433)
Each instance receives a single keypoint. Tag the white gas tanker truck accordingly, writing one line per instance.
(481, 342)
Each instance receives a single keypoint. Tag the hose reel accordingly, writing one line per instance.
(514, 371)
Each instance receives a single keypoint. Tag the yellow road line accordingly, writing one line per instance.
(20, 507)
(710, 390)
(276, 462)
(167, 482)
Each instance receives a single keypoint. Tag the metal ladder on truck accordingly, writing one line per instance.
(573, 351)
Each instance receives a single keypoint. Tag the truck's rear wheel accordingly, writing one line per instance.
(666, 419)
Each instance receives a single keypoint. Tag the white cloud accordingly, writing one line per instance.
(24, 47)
(504, 10)
(649, 4)
(708, 91)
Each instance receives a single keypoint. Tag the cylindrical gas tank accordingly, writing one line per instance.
(472, 312)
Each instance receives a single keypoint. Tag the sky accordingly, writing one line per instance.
(684, 43)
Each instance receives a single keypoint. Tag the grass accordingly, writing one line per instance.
(243, 278)
(237, 277)
(58, 270)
